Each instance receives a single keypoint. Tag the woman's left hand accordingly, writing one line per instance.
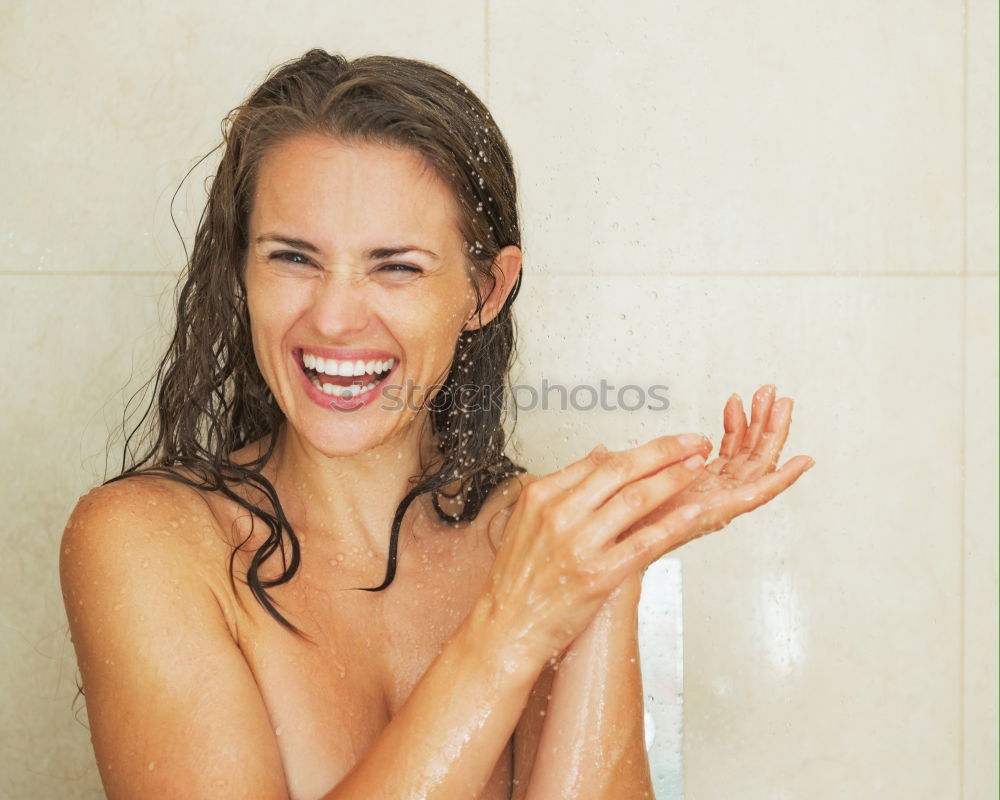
(743, 476)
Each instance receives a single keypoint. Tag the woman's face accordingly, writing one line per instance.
(354, 257)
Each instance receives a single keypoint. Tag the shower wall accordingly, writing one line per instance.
(716, 195)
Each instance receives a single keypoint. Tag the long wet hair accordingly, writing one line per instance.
(209, 394)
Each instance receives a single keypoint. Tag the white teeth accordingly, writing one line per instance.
(346, 369)
(344, 391)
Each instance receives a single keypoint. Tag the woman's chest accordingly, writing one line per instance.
(329, 699)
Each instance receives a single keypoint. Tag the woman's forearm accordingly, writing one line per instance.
(449, 734)
(592, 744)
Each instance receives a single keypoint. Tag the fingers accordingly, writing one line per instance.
(570, 475)
(763, 399)
(735, 423)
(616, 470)
(651, 542)
(765, 488)
(765, 455)
(655, 540)
(638, 500)
(754, 443)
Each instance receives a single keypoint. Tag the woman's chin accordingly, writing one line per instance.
(344, 440)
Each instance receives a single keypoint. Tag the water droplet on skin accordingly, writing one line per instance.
(145, 562)
(152, 766)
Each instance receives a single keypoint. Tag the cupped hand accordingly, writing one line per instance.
(558, 560)
(743, 476)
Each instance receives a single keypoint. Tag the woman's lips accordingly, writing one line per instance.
(321, 398)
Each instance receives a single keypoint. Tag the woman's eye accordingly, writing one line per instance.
(400, 269)
(291, 258)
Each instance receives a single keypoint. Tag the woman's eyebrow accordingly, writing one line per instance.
(374, 254)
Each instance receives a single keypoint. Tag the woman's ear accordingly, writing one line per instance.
(507, 266)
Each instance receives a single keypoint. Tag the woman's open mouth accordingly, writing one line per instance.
(345, 380)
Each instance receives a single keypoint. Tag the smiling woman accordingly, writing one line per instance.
(361, 239)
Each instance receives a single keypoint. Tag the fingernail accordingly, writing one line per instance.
(694, 462)
(736, 396)
(811, 463)
(690, 439)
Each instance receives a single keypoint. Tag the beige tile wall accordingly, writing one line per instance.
(716, 195)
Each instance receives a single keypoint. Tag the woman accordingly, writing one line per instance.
(345, 325)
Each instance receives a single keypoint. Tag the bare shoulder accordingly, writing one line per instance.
(149, 494)
(128, 541)
(167, 688)
(139, 513)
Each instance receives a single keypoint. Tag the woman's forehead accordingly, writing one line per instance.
(318, 182)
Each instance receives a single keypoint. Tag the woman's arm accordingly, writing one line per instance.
(591, 744)
(446, 739)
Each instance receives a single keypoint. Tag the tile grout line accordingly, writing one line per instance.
(646, 274)
(69, 273)
(963, 533)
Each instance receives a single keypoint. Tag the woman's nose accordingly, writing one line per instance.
(340, 307)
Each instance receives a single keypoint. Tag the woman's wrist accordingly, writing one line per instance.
(485, 633)
(628, 590)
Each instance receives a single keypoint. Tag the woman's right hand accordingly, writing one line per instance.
(558, 560)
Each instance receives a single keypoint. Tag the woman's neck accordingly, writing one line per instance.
(350, 500)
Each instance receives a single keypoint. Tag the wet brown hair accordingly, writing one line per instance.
(209, 394)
